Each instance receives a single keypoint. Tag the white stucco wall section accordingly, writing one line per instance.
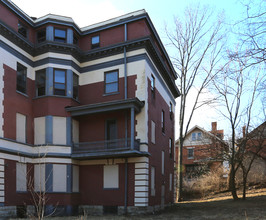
(205, 139)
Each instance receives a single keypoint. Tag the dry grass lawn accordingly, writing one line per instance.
(218, 207)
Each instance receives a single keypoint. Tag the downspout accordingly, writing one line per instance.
(125, 207)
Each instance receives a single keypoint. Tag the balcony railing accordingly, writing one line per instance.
(105, 146)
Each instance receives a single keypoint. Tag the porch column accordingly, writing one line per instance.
(132, 128)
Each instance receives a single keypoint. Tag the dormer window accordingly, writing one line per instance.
(41, 36)
(22, 30)
(95, 42)
(60, 35)
(196, 136)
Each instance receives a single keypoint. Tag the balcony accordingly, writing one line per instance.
(107, 149)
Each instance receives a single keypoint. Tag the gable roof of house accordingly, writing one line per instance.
(204, 131)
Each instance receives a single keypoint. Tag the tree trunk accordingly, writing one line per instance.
(180, 170)
(232, 183)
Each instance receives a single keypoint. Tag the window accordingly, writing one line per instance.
(162, 162)
(75, 39)
(152, 86)
(21, 78)
(170, 147)
(39, 177)
(40, 82)
(41, 36)
(111, 177)
(95, 42)
(171, 110)
(59, 35)
(21, 177)
(190, 154)
(170, 182)
(75, 179)
(111, 82)
(153, 132)
(163, 121)
(152, 181)
(59, 178)
(59, 82)
(21, 123)
(75, 86)
(22, 30)
(196, 136)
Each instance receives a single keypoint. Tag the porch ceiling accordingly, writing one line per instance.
(106, 107)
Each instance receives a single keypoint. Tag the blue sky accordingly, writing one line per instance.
(161, 12)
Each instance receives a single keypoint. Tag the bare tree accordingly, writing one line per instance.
(252, 145)
(197, 43)
(251, 33)
(238, 90)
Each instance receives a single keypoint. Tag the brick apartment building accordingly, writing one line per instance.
(87, 114)
(202, 150)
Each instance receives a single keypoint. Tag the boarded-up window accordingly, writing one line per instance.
(111, 176)
(21, 177)
(75, 131)
(152, 181)
(59, 178)
(39, 130)
(39, 177)
(153, 132)
(170, 181)
(75, 180)
(59, 130)
(21, 127)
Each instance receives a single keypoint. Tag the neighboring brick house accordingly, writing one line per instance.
(202, 150)
(87, 113)
(255, 154)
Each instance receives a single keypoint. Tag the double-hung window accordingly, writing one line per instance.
(40, 82)
(75, 86)
(41, 36)
(163, 122)
(22, 30)
(21, 78)
(60, 35)
(196, 136)
(111, 82)
(59, 82)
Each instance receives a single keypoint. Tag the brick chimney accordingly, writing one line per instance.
(214, 127)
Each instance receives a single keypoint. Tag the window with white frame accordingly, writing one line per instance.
(111, 177)
(21, 177)
(196, 136)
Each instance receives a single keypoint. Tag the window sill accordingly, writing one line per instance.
(21, 93)
(113, 93)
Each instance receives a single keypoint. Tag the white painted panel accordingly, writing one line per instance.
(75, 180)
(21, 128)
(111, 176)
(21, 176)
(2, 181)
(39, 177)
(75, 131)
(2, 199)
(59, 130)
(39, 130)
(59, 178)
